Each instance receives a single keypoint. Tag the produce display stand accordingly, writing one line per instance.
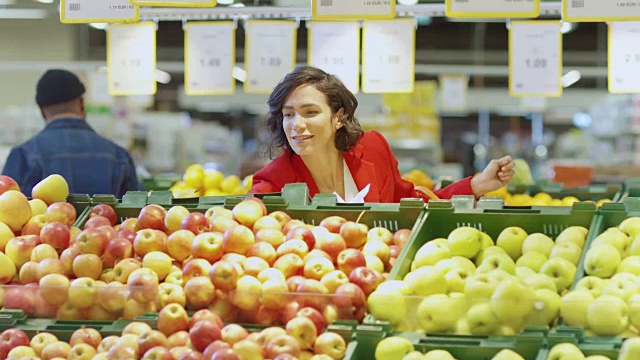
(592, 192)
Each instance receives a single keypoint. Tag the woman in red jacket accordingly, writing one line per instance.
(311, 118)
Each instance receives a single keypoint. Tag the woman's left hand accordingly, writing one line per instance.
(496, 175)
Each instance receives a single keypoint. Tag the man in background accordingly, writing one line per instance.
(68, 146)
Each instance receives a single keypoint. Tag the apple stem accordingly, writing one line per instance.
(360, 216)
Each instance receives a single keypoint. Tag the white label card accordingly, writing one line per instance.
(492, 8)
(270, 49)
(209, 58)
(176, 3)
(131, 58)
(535, 61)
(92, 11)
(453, 92)
(388, 56)
(600, 10)
(624, 57)
(353, 9)
(335, 48)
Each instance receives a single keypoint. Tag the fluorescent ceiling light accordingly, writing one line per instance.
(408, 2)
(23, 14)
(45, 1)
(99, 26)
(567, 27)
(163, 77)
(7, 2)
(239, 74)
(571, 78)
(225, 2)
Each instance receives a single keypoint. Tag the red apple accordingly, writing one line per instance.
(266, 222)
(172, 318)
(92, 241)
(205, 314)
(254, 265)
(54, 287)
(62, 212)
(303, 330)
(34, 225)
(68, 311)
(109, 231)
(130, 224)
(117, 249)
(333, 280)
(106, 211)
(401, 236)
(350, 259)
(294, 281)
(179, 244)
(174, 217)
(50, 266)
(290, 311)
(148, 240)
(286, 356)
(316, 253)
(143, 285)
(232, 333)
(222, 223)
(178, 339)
(43, 309)
(248, 211)
(367, 279)
(238, 239)
(208, 246)
(19, 298)
(289, 265)
(295, 246)
(39, 341)
(122, 352)
(136, 328)
(225, 354)
(194, 268)
(67, 256)
(86, 265)
(19, 249)
(157, 353)
(312, 293)
(199, 292)
(394, 252)
(282, 344)
(224, 309)
(302, 233)
(7, 183)
(171, 294)
(282, 217)
(218, 211)
(126, 234)
(349, 296)
(96, 222)
(263, 250)
(293, 223)
(204, 333)
(354, 234)
(248, 349)
(267, 317)
(152, 217)
(381, 234)
(193, 355)
(331, 344)
(55, 234)
(195, 222)
(315, 316)
(124, 268)
(151, 339)
(224, 275)
(317, 267)
(271, 236)
(28, 273)
(333, 223)
(332, 244)
(87, 336)
(58, 349)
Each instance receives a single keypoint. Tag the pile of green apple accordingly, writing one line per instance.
(606, 302)
(467, 284)
(570, 351)
(399, 348)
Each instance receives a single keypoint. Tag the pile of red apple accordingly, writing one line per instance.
(243, 264)
(203, 337)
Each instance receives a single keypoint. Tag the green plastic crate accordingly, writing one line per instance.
(526, 344)
(160, 182)
(609, 347)
(631, 188)
(594, 192)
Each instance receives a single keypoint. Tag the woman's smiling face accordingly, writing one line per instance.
(308, 122)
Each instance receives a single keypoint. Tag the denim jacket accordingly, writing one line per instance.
(90, 163)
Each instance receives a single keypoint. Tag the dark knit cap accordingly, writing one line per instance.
(57, 86)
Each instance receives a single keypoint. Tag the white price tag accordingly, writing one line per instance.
(353, 9)
(492, 8)
(209, 58)
(624, 57)
(600, 10)
(92, 11)
(535, 59)
(388, 56)
(270, 53)
(98, 89)
(453, 92)
(131, 58)
(335, 48)
(175, 3)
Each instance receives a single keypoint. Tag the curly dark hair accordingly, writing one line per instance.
(338, 97)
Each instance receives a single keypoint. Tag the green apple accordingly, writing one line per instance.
(532, 259)
(394, 285)
(507, 354)
(608, 316)
(630, 226)
(465, 241)
(615, 237)
(500, 275)
(491, 250)
(438, 355)
(437, 314)
(567, 250)
(479, 288)
(512, 301)
(621, 287)
(634, 310)
(393, 348)
(426, 281)
(387, 306)
(573, 234)
(602, 261)
(623, 275)
(561, 271)
(430, 253)
(498, 261)
(459, 302)
(540, 281)
(487, 241)
(445, 265)
(524, 272)
(592, 284)
(482, 320)
(462, 327)
(574, 307)
(511, 240)
(634, 248)
(630, 265)
(630, 349)
(545, 308)
(596, 357)
(565, 351)
(456, 279)
(538, 242)
(414, 355)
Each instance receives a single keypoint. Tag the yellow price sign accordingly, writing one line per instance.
(492, 8)
(600, 10)
(210, 54)
(353, 9)
(92, 11)
(176, 3)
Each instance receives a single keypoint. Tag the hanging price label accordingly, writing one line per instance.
(335, 48)
(453, 92)
(175, 3)
(535, 59)
(270, 53)
(209, 58)
(353, 9)
(600, 10)
(92, 11)
(492, 8)
(131, 58)
(98, 89)
(388, 56)
(624, 57)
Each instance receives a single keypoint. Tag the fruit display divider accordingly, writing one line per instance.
(631, 188)
(527, 344)
(610, 215)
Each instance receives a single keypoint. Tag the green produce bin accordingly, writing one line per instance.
(594, 192)
(609, 347)
(160, 182)
(631, 188)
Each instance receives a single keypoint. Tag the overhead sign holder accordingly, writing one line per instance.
(334, 46)
(624, 57)
(210, 54)
(103, 11)
(600, 10)
(131, 58)
(492, 8)
(353, 9)
(535, 59)
(176, 3)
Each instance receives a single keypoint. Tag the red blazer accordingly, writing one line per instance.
(370, 162)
